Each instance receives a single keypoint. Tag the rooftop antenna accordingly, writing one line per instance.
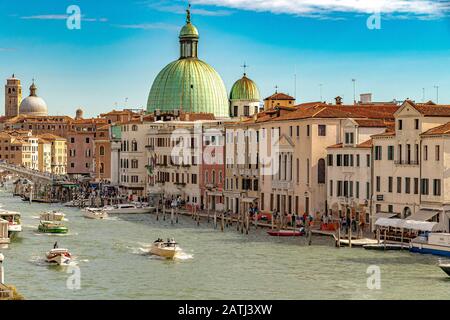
(354, 91)
(320, 90)
(437, 94)
(423, 94)
(276, 89)
(295, 82)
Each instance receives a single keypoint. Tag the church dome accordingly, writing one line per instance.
(245, 89)
(33, 105)
(189, 84)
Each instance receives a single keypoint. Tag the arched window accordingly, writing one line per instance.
(134, 128)
(102, 150)
(134, 164)
(321, 171)
(134, 145)
(213, 177)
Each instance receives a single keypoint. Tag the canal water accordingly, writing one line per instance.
(113, 263)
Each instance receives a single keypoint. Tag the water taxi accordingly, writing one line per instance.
(163, 249)
(128, 208)
(96, 214)
(52, 216)
(432, 243)
(52, 227)
(59, 256)
(14, 223)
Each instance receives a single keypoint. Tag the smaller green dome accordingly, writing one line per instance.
(189, 31)
(245, 89)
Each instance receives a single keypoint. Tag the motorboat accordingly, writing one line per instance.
(286, 233)
(92, 213)
(163, 249)
(77, 203)
(128, 208)
(52, 227)
(14, 223)
(59, 256)
(436, 243)
(445, 266)
(52, 216)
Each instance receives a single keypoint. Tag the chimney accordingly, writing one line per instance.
(338, 100)
(365, 98)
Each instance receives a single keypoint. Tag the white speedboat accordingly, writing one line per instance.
(13, 219)
(52, 216)
(93, 213)
(127, 209)
(163, 249)
(59, 256)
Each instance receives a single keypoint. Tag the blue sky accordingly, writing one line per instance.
(122, 45)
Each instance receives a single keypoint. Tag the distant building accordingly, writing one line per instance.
(278, 100)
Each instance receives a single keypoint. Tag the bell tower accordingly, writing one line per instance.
(13, 96)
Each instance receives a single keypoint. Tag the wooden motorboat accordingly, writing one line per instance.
(163, 249)
(59, 256)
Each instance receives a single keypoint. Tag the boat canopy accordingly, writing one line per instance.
(423, 215)
(408, 224)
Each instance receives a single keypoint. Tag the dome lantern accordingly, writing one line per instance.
(189, 38)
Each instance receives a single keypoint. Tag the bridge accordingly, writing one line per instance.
(30, 174)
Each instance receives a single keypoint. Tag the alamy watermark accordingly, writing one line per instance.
(374, 279)
(74, 280)
(374, 21)
(74, 17)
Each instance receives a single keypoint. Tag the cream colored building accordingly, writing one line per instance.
(349, 169)
(45, 155)
(58, 153)
(401, 159)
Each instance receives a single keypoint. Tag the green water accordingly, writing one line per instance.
(113, 263)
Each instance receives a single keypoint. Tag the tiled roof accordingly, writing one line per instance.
(443, 129)
(430, 109)
(387, 133)
(49, 136)
(374, 123)
(366, 144)
(280, 96)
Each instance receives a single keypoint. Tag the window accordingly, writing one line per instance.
(330, 160)
(235, 113)
(194, 179)
(378, 153)
(246, 111)
(298, 131)
(400, 153)
(339, 188)
(408, 154)
(88, 140)
(134, 128)
(346, 194)
(400, 124)
(72, 140)
(290, 131)
(390, 208)
(346, 160)
(102, 150)
(134, 164)
(425, 153)
(358, 160)
(321, 171)
(367, 190)
(437, 187)
(416, 124)
(424, 187)
(416, 185)
(357, 189)
(391, 153)
(407, 185)
(308, 129)
(72, 165)
(331, 188)
(416, 153)
(378, 184)
(322, 130)
(437, 153)
(399, 185)
(368, 160)
(349, 138)
(339, 160)
(298, 170)
(390, 184)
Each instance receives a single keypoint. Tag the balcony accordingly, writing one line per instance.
(406, 162)
(285, 185)
(150, 148)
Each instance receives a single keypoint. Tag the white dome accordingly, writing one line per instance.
(34, 106)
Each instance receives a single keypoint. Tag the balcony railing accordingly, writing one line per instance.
(406, 162)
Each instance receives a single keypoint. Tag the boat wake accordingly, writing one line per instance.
(40, 261)
(55, 234)
(144, 250)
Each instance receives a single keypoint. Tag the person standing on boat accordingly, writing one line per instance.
(55, 246)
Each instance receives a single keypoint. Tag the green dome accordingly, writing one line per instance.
(189, 30)
(245, 89)
(190, 85)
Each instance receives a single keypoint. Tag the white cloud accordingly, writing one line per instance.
(7, 49)
(61, 17)
(435, 8)
(148, 26)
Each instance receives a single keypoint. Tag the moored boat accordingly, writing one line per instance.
(14, 222)
(52, 227)
(432, 243)
(445, 267)
(59, 256)
(163, 249)
(286, 233)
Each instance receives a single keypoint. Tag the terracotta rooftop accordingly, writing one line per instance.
(279, 96)
(430, 109)
(366, 144)
(374, 123)
(388, 133)
(443, 129)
